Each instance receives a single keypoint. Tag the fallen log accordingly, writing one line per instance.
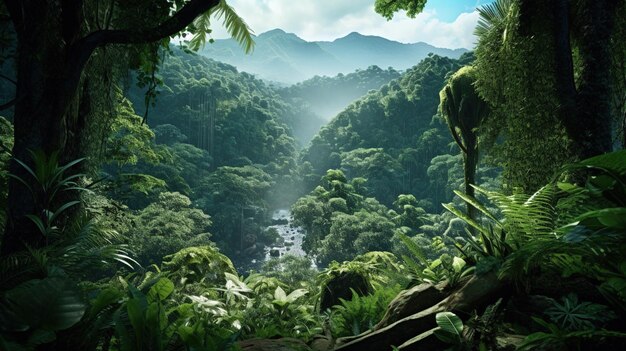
(476, 294)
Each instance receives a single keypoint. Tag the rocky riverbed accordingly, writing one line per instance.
(290, 236)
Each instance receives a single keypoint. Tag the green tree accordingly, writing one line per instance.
(55, 41)
(464, 112)
(383, 173)
(561, 49)
(354, 234)
(232, 196)
(387, 8)
(408, 213)
(167, 226)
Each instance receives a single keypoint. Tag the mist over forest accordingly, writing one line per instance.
(162, 190)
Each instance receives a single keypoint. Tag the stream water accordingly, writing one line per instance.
(290, 241)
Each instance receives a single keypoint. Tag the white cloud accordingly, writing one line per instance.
(331, 19)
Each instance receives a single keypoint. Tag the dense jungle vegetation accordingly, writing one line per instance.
(152, 198)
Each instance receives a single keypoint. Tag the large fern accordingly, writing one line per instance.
(526, 217)
(523, 218)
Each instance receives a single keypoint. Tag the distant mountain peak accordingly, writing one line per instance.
(285, 57)
(358, 37)
(274, 32)
(355, 34)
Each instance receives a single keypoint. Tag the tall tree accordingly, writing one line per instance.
(464, 111)
(546, 67)
(549, 64)
(55, 40)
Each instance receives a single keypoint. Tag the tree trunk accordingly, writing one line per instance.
(51, 56)
(593, 99)
(584, 109)
(564, 68)
(470, 159)
(38, 124)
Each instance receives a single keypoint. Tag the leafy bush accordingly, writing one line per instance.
(450, 269)
(294, 271)
(361, 313)
(571, 314)
(40, 297)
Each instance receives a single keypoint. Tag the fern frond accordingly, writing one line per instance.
(202, 27)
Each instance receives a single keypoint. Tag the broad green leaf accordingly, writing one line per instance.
(472, 201)
(156, 319)
(279, 294)
(161, 290)
(38, 222)
(296, 294)
(240, 286)
(450, 323)
(136, 308)
(458, 264)
(614, 161)
(466, 218)
(62, 209)
(105, 298)
(612, 217)
(41, 336)
(51, 304)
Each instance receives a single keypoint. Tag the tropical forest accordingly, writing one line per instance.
(354, 175)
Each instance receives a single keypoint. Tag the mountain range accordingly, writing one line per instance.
(286, 58)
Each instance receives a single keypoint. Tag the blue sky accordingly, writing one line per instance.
(444, 23)
(449, 10)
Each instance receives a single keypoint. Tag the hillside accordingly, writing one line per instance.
(327, 96)
(390, 138)
(286, 58)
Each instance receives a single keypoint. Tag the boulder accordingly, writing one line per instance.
(339, 288)
(411, 301)
(321, 343)
(414, 332)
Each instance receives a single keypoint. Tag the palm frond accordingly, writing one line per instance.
(492, 16)
(18, 267)
(234, 24)
(85, 245)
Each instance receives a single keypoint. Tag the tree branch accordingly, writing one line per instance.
(82, 49)
(8, 78)
(171, 26)
(8, 104)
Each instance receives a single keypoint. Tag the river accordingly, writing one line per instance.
(289, 241)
